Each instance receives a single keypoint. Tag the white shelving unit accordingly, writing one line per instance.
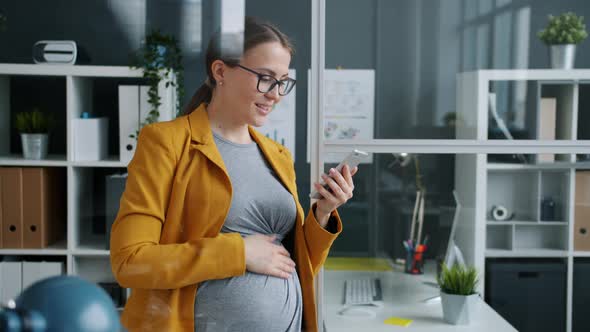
(520, 187)
(83, 253)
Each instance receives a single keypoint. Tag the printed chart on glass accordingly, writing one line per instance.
(281, 121)
(349, 107)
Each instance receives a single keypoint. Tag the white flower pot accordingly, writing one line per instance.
(562, 56)
(459, 309)
(34, 145)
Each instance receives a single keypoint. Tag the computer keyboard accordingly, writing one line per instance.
(362, 291)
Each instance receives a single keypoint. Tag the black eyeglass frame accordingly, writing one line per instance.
(272, 86)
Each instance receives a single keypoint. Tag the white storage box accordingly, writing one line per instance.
(90, 139)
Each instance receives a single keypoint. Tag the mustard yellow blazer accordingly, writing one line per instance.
(166, 238)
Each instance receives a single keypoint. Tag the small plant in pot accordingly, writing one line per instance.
(457, 290)
(562, 34)
(34, 130)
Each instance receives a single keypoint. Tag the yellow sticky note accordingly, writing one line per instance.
(398, 321)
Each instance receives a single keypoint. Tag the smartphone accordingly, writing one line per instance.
(352, 160)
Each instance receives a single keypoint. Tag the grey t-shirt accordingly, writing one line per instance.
(260, 205)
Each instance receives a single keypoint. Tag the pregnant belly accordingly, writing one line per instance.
(252, 297)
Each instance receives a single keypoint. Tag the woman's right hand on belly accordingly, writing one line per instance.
(265, 257)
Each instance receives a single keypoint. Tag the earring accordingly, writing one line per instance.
(221, 83)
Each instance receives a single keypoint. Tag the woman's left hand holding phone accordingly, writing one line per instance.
(342, 188)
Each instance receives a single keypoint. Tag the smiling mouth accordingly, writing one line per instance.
(266, 108)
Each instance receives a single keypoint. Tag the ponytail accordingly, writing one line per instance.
(202, 95)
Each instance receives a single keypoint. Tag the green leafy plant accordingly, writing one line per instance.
(34, 122)
(567, 28)
(458, 280)
(159, 57)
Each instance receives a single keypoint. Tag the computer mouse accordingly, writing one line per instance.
(357, 312)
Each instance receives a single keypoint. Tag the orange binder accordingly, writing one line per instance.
(12, 212)
(582, 212)
(43, 210)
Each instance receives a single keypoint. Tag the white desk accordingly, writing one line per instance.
(403, 295)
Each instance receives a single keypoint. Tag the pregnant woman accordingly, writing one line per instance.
(210, 234)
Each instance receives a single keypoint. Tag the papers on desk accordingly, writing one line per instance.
(398, 321)
(357, 264)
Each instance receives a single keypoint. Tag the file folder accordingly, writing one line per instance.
(12, 211)
(165, 110)
(44, 206)
(134, 107)
(10, 280)
(547, 120)
(128, 120)
(36, 271)
(144, 105)
(582, 212)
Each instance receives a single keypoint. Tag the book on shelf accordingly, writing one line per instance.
(547, 121)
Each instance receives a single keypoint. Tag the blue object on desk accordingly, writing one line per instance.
(85, 115)
(61, 303)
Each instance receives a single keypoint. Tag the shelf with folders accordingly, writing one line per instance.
(69, 91)
(33, 210)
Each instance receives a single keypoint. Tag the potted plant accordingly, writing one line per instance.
(562, 34)
(458, 296)
(160, 58)
(34, 129)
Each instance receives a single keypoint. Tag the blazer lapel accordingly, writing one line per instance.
(277, 159)
(202, 138)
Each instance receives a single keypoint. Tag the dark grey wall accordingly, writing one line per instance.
(108, 30)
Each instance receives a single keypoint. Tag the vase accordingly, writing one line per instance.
(459, 309)
(34, 145)
(562, 56)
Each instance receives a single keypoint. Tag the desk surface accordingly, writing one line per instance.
(403, 296)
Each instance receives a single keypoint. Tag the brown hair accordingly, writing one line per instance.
(256, 32)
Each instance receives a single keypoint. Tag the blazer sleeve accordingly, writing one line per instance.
(317, 239)
(138, 260)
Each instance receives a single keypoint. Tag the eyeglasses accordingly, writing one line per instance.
(266, 82)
